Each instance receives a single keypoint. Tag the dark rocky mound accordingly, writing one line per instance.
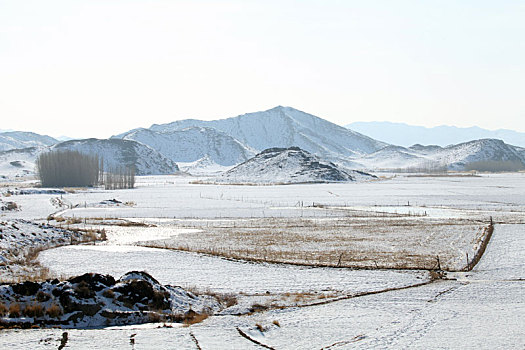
(95, 300)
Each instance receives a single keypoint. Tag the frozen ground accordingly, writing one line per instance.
(207, 272)
(502, 196)
(482, 309)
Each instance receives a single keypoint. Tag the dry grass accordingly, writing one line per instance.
(399, 243)
(194, 318)
(54, 311)
(14, 310)
(108, 293)
(276, 323)
(3, 309)
(33, 310)
(225, 299)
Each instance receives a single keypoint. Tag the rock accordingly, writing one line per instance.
(95, 281)
(26, 288)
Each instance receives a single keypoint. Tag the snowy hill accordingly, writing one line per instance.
(286, 166)
(193, 144)
(454, 157)
(23, 139)
(286, 127)
(457, 156)
(406, 135)
(115, 152)
(18, 162)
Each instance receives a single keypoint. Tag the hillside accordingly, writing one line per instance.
(18, 162)
(286, 166)
(454, 157)
(286, 127)
(193, 144)
(22, 139)
(146, 160)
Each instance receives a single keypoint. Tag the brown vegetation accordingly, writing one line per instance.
(54, 311)
(192, 318)
(33, 310)
(14, 310)
(3, 309)
(384, 242)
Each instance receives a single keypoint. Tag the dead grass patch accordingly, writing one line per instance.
(194, 318)
(54, 311)
(375, 243)
(14, 310)
(33, 310)
(3, 309)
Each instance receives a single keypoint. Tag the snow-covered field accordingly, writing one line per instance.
(480, 309)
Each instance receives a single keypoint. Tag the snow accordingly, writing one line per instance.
(286, 166)
(286, 127)
(21, 139)
(453, 157)
(146, 160)
(483, 308)
(193, 144)
(221, 275)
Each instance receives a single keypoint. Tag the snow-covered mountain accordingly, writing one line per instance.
(193, 144)
(406, 135)
(454, 157)
(286, 127)
(457, 156)
(286, 166)
(22, 139)
(115, 152)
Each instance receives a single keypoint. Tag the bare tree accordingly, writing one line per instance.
(74, 169)
(68, 168)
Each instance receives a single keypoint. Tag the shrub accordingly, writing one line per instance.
(34, 310)
(194, 318)
(14, 310)
(495, 166)
(54, 311)
(109, 293)
(3, 309)
(42, 296)
(83, 291)
(159, 301)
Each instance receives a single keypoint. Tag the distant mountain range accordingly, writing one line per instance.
(202, 147)
(408, 135)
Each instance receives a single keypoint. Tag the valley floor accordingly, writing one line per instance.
(305, 307)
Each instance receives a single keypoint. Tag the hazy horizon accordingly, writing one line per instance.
(59, 137)
(99, 68)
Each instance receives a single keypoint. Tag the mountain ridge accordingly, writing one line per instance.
(407, 135)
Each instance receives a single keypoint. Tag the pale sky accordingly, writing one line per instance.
(96, 68)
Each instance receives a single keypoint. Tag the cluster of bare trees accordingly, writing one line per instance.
(495, 165)
(67, 168)
(119, 178)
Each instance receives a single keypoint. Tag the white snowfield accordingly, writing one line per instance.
(481, 309)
